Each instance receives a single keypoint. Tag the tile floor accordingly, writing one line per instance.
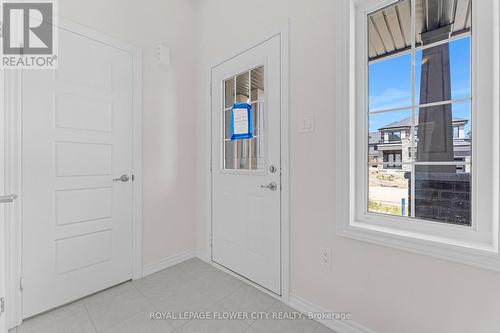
(190, 286)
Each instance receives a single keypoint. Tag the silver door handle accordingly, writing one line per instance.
(123, 178)
(272, 186)
(7, 198)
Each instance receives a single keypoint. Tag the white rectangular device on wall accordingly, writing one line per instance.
(163, 55)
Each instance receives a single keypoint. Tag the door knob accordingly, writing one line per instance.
(272, 186)
(7, 198)
(123, 178)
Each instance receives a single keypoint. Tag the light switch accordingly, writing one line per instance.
(163, 55)
(306, 124)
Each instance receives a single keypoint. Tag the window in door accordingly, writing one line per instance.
(246, 87)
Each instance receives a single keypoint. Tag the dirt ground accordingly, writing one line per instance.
(387, 187)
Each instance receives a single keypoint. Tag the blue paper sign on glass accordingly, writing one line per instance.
(241, 121)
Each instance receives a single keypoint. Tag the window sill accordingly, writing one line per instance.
(481, 255)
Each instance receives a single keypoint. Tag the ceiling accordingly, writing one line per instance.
(390, 28)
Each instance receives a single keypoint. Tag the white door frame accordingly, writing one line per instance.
(13, 176)
(3, 231)
(283, 34)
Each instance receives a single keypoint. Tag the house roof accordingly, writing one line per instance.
(406, 122)
(374, 137)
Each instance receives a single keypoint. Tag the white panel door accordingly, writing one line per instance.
(77, 138)
(3, 271)
(246, 174)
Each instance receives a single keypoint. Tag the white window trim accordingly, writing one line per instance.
(477, 245)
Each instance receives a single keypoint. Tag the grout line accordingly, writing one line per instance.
(48, 313)
(88, 314)
(219, 302)
(150, 302)
(137, 289)
(120, 293)
(199, 289)
(250, 328)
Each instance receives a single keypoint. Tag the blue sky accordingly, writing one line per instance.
(390, 84)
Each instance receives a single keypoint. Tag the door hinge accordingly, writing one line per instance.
(210, 89)
(21, 283)
(2, 305)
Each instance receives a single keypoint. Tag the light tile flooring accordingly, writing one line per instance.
(190, 286)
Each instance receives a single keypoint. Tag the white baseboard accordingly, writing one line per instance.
(167, 262)
(340, 326)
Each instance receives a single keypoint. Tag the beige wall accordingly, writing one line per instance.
(384, 289)
(168, 144)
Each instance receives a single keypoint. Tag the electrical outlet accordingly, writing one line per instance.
(326, 257)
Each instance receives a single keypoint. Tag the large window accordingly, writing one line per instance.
(419, 80)
(428, 69)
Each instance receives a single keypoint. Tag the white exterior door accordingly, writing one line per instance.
(76, 138)
(246, 174)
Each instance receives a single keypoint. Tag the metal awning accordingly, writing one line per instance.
(390, 28)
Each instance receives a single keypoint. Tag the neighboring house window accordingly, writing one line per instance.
(409, 65)
(460, 167)
(394, 136)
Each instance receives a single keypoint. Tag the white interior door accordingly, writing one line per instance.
(3, 272)
(246, 173)
(76, 138)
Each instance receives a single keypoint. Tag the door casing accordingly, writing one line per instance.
(13, 177)
(283, 33)
(3, 211)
